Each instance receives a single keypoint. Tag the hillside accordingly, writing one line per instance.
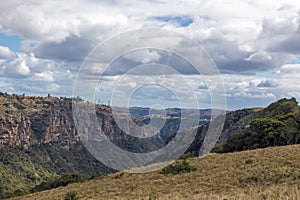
(39, 142)
(276, 125)
(270, 173)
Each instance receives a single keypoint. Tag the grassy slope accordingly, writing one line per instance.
(271, 173)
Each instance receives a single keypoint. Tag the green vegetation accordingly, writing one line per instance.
(61, 181)
(71, 196)
(276, 125)
(40, 166)
(178, 168)
(263, 132)
(18, 171)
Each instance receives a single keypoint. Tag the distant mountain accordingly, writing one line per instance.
(172, 117)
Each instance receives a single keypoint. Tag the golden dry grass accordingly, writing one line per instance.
(271, 173)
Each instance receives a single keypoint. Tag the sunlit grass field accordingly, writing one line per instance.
(271, 173)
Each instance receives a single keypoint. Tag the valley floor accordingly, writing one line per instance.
(270, 173)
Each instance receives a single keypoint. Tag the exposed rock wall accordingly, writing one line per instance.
(34, 120)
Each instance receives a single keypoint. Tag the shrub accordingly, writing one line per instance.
(178, 168)
(71, 196)
(61, 181)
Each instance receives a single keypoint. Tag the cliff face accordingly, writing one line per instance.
(15, 131)
(25, 121)
(34, 120)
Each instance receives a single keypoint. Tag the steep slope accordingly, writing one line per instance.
(22, 169)
(38, 141)
(270, 173)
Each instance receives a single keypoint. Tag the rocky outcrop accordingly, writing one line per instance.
(29, 120)
(15, 131)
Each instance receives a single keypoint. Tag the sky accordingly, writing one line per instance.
(254, 44)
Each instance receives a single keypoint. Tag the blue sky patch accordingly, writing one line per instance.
(266, 75)
(295, 61)
(180, 20)
(12, 42)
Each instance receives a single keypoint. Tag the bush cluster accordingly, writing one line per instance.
(178, 168)
(61, 181)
